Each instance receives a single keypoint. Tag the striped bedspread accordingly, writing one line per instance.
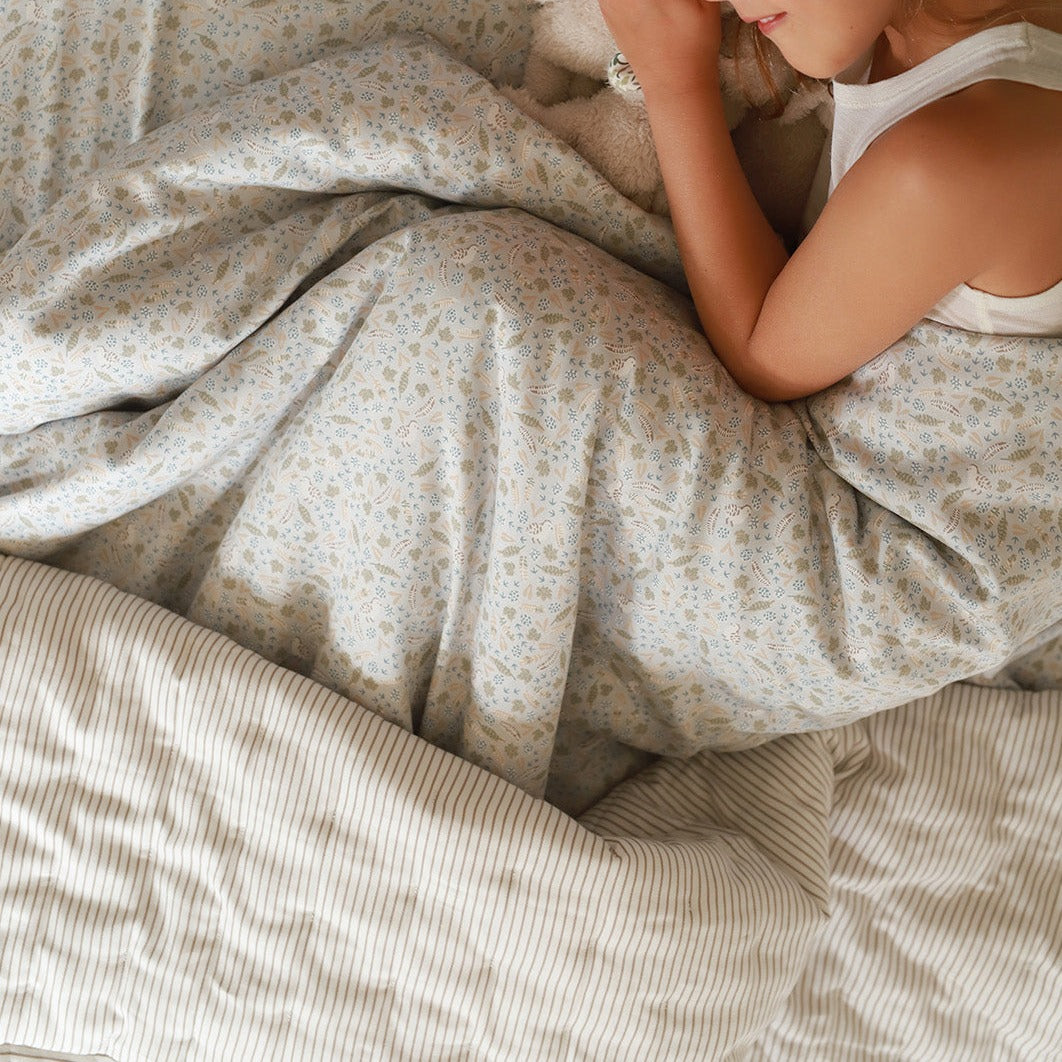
(205, 856)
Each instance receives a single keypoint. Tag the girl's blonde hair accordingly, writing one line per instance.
(943, 11)
(777, 102)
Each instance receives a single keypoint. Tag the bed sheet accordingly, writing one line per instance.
(207, 856)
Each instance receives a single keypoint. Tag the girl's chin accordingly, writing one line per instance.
(818, 63)
(818, 67)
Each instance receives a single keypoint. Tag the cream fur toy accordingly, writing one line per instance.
(576, 85)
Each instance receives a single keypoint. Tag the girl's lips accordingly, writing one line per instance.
(770, 22)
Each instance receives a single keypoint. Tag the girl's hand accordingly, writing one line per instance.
(673, 45)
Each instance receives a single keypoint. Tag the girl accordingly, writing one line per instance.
(946, 164)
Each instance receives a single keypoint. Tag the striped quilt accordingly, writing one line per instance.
(206, 856)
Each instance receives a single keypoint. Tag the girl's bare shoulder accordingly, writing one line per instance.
(990, 156)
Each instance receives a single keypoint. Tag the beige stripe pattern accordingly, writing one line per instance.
(945, 935)
(204, 856)
(208, 857)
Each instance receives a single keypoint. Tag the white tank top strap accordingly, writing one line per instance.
(1015, 52)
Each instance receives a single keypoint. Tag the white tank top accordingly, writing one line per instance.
(862, 112)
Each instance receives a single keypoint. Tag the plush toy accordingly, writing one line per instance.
(576, 85)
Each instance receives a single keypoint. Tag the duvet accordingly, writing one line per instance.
(361, 367)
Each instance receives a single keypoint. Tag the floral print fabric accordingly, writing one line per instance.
(361, 367)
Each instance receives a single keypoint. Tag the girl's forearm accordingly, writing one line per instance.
(729, 250)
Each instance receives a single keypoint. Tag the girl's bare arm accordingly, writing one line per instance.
(905, 226)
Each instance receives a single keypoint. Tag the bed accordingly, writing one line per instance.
(412, 644)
